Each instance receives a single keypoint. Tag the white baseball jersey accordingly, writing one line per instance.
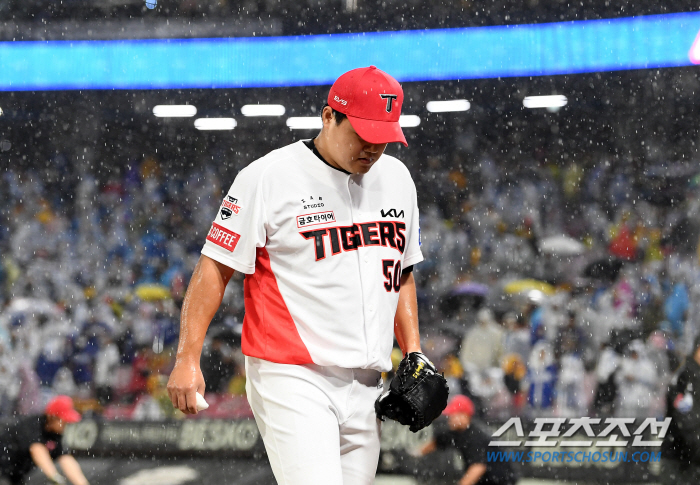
(322, 251)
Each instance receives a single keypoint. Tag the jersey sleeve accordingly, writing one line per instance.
(30, 431)
(413, 254)
(239, 227)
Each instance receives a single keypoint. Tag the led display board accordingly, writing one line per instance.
(655, 41)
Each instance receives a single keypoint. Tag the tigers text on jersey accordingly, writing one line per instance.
(322, 251)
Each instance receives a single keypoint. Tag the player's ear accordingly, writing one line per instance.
(327, 116)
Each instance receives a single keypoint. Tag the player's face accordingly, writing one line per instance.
(55, 425)
(458, 421)
(346, 149)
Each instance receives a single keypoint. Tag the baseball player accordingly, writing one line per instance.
(326, 231)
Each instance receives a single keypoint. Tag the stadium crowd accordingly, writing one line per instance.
(551, 286)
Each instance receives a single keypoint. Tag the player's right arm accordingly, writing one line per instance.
(473, 474)
(42, 459)
(71, 468)
(204, 295)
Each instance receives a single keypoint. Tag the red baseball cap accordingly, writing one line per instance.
(371, 99)
(459, 404)
(62, 407)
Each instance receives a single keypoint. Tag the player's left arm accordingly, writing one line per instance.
(71, 469)
(406, 319)
(427, 448)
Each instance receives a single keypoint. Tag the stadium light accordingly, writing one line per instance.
(262, 110)
(174, 110)
(553, 101)
(448, 106)
(215, 123)
(409, 121)
(305, 123)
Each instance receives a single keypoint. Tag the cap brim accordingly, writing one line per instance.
(373, 131)
(71, 416)
(455, 406)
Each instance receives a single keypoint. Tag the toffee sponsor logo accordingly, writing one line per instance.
(223, 237)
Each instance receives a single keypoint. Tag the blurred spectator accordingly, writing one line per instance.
(606, 390)
(9, 380)
(155, 405)
(636, 382)
(515, 371)
(106, 366)
(29, 400)
(570, 391)
(517, 337)
(140, 372)
(570, 338)
(218, 365)
(482, 347)
(63, 382)
(542, 377)
(676, 306)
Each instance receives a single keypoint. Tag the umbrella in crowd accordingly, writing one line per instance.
(152, 292)
(561, 246)
(466, 295)
(33, 305)
(526, 285)
(470, 288)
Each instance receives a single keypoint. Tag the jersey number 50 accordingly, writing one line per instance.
(393, 281)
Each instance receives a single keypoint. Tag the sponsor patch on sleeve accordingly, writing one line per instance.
(229, 207)
(221, 236)
(316, 218)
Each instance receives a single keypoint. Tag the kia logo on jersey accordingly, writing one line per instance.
(392, 213)
(389, 98)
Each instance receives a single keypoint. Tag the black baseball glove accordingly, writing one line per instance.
(417, 393)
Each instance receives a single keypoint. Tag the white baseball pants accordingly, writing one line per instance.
(317, 423)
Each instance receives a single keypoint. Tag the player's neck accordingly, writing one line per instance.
(322, 149)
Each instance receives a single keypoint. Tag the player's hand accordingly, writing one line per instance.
(58, 479)
(185, 381)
